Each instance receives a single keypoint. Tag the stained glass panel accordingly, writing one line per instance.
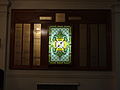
(59, 44)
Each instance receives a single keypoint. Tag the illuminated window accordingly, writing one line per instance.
(59, 44)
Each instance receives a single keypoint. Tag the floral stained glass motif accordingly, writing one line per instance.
(59, 44)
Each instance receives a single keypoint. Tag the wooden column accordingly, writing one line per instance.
(3, 28)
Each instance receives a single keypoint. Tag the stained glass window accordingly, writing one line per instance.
(59, 44)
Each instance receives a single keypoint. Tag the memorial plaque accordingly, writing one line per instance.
(60, 17)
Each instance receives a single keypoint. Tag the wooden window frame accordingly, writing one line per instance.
(31, 16)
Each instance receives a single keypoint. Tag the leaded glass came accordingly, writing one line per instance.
(59, 44)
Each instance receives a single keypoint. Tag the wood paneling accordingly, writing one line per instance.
(83, 45)
(91, 39)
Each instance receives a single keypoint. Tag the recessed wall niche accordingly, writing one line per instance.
(61, 39)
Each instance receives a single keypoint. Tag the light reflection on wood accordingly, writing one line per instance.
(37, 45)
(26, 44)
(45, 18)
(18, 43)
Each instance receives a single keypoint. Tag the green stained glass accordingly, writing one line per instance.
(59, 44)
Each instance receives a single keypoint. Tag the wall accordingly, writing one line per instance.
(28, 79)
(116, 45)
(3, 27)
